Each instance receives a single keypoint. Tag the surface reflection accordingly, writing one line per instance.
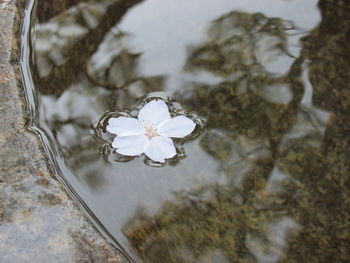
(267, 179)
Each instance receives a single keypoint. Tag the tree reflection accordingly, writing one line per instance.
(243, 43)
(65, 43)
(84, 66)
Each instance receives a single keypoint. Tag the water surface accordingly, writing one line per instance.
(267, 177)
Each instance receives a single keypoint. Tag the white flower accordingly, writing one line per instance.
(150, 133)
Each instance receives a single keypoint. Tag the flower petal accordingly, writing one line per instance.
(155, 112)
(177, 127)
(123, 126)
(160, 148)
(130, 145)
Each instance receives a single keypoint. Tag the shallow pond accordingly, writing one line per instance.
(266, 175)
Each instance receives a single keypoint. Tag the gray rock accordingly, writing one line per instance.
(39, 222)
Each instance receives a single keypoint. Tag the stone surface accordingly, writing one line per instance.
(39, 222)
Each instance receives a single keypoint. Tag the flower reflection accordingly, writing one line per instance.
(150, 133)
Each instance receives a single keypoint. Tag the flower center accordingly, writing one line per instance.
(150, 130)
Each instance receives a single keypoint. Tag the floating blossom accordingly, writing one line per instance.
(150, 133)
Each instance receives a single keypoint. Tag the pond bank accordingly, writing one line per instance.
(39, 222)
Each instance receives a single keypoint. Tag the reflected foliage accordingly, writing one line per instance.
(64, 44)
(240, 44)
(252, 100)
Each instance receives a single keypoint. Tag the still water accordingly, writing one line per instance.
(265, 178)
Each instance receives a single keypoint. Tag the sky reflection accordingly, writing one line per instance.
(244, 191)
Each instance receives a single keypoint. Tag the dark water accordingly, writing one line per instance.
(267, 179)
